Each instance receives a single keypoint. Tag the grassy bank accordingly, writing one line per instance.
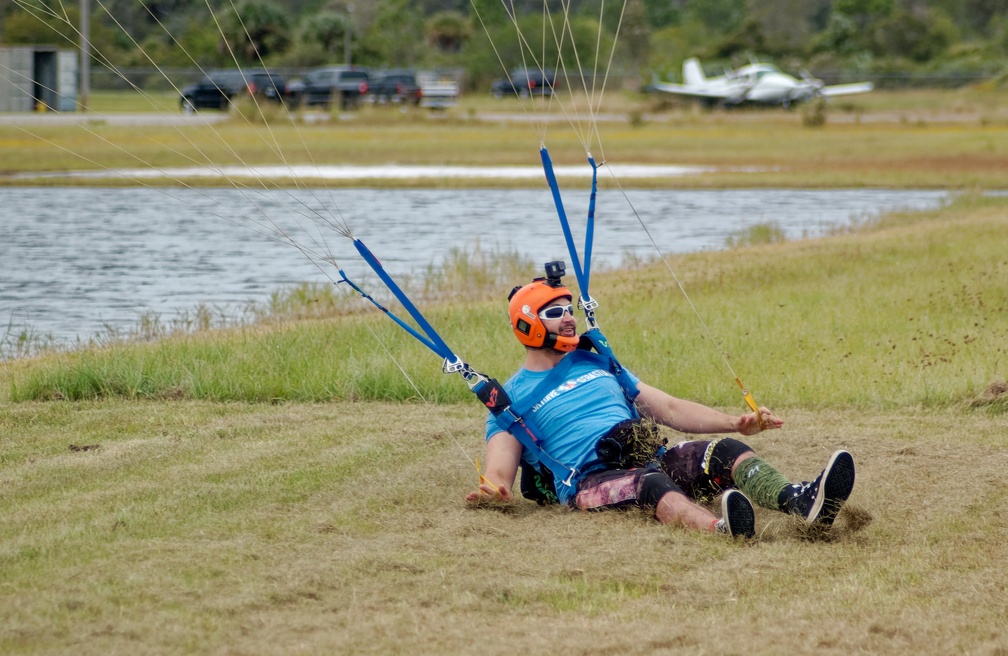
(283, 487)
(906, 312)
(948, 140)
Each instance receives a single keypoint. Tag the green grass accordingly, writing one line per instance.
(280, 486)
(134, 102)
(229, 490)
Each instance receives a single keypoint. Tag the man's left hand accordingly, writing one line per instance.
(749, 424)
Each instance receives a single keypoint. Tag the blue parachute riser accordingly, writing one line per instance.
(431, 339)
(590, 224)
(402, 324)
(579, 272)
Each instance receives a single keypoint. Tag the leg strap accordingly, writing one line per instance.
(718, 459)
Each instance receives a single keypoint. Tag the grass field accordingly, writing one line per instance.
(957, 139)
(283, 487)
(155, 515)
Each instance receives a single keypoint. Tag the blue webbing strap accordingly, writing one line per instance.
(525, 430)
(582, 274)
(432, 340)
(405, 326)
(590, 227)
(601, 345)
(520, 422)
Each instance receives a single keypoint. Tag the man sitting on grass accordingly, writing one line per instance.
(597, 449)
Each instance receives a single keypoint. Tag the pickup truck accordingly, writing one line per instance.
(394, 87)
(407, 87)
(328, 85)
(437, 91)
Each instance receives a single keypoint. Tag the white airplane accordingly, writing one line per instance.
(756, 83)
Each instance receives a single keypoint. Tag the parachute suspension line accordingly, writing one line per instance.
(343, 227)
(525, 50)
(104, 59)
(307, 150)
(256, 226)
(593, 96)
(260, 227)
(595, 108)
(276, 145)
(500, 60)
(300, 207)
(304, 211)
(271, 231)
(275, 232)
(566, 31)
(750, 401)
(583, 273)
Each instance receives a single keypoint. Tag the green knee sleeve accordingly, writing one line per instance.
(759, 481)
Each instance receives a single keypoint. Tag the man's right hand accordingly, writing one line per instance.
(488, 492)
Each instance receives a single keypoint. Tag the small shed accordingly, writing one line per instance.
(38, 78)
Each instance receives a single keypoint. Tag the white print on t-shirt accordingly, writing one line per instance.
(568, 385)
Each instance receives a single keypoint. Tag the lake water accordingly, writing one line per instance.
(75, 262)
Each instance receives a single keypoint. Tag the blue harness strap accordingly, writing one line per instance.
(524, 429)
(490, 392)
(518, 420)
(594, 338)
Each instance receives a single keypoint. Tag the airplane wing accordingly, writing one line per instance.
(846, 89)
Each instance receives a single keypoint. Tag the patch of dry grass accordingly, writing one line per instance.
(340, 528)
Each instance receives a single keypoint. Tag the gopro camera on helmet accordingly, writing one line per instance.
(555, 270)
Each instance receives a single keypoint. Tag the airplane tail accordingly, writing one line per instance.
(692, 73)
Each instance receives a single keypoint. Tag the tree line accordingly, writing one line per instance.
(859, 37)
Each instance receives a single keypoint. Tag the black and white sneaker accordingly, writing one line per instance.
(737, 516)
(820, 501)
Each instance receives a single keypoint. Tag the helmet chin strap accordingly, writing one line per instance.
(551, 341)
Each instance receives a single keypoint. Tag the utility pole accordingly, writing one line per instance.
(85, 47)
(347, 34)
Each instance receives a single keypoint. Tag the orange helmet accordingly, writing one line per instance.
(524, 305)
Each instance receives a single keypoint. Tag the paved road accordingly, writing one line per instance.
(923, 115)
(77, 118)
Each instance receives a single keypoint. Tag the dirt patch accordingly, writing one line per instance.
(994, 394)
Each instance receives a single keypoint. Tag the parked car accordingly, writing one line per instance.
(394, 87)
(438, 91)
(218, 89)
(324, 86)
(524, 83)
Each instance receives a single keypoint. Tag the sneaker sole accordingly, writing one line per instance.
(738, 514)
(834, 489)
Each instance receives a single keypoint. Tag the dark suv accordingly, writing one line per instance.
(218, 89)
(525, 83)
(324, 86)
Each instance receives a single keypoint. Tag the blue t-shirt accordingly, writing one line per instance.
(572, 415)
